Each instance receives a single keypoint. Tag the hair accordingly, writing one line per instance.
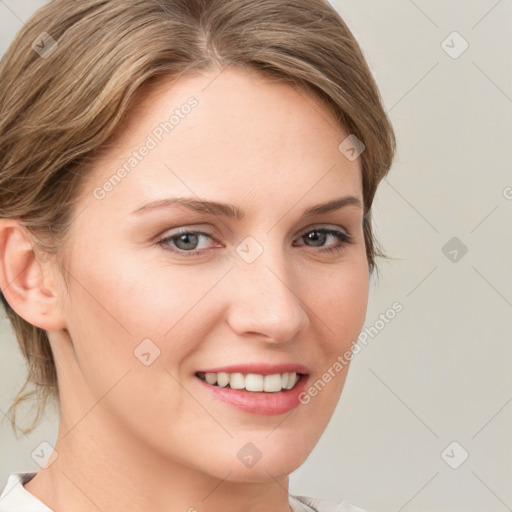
(61, 101)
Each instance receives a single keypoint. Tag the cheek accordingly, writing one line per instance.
(127, 312)
(340, 310)
(113, 309)
(118, 323)
(340, 304)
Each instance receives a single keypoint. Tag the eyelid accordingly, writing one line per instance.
(186, 228)
(314, 226)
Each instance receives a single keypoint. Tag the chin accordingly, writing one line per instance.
(262, 471)
(261, 460)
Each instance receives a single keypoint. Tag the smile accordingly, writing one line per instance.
(252, 381)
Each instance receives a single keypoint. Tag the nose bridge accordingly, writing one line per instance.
(267, 300)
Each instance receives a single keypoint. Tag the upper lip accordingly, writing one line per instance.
(260, 368)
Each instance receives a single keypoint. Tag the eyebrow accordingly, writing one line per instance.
(232, 211)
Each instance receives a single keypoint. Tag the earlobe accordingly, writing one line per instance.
(22, 279)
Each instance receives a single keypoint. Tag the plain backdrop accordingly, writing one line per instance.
(425, 418)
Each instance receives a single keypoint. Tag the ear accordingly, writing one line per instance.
(25, 281)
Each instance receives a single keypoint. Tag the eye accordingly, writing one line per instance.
(185, 241)
(319, 236)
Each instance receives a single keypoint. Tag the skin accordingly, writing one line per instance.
(136, 437)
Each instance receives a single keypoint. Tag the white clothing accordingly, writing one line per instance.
(15, 498)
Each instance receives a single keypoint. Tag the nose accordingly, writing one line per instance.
(267, 300)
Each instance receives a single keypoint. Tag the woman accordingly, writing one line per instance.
(185, 244)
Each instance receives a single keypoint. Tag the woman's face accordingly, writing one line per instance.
(158, 294)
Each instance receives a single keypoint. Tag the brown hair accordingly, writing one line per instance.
(75, 69)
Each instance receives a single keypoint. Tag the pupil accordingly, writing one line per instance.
(187, 237)
(313, 236)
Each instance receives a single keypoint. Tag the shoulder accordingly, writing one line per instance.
(308, 504)
(16, 498)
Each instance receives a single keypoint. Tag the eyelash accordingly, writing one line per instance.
(343, 237)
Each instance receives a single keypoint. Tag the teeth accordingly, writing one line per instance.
(252, 381)
(211, 378)
(255, 382)
(221, 378)
(236, 381)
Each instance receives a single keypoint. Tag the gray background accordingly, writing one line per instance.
(439, 371)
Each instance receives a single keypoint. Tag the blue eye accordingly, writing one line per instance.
(185, 242)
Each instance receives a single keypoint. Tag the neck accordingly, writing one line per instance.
(101, 467)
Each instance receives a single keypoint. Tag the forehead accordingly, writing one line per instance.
(217, 131)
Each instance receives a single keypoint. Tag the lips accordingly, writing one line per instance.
(261, 403)
(259, 368)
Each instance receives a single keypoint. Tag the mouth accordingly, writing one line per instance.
(256, 388)
(252, 382)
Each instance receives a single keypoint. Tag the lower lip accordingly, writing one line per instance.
(265, 404)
